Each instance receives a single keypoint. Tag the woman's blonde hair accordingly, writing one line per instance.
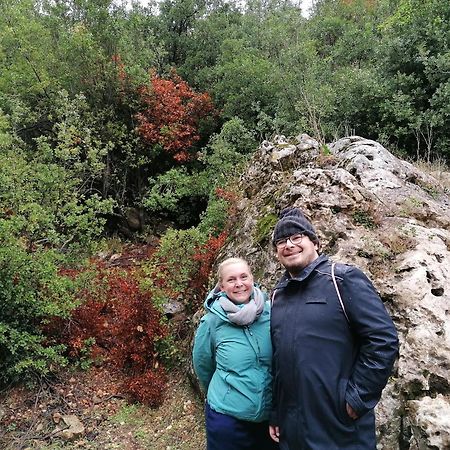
(229, 261)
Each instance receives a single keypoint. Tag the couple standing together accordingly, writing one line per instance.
(304, 371)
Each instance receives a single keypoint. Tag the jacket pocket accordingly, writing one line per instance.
(342, 404)
(227, 386)
(315, 300)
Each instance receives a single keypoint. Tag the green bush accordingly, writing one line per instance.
(31, 291)
(189, 197)
(170, 269)
(47, 222)
(179, 195)
(215, 217)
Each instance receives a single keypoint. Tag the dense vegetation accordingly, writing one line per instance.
(109, 111)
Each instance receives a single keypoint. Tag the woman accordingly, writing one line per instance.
(232, 359)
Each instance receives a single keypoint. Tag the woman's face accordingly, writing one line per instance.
(237, 282)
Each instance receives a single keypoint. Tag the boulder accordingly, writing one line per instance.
(392, 220)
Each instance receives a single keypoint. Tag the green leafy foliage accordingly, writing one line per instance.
(188, 197)
(45, 207)
(31, 291)
(180, 194)
(415, 61)
(226, 153)
(94, 123)
(46, 221)
(181, 267)
(174, 263)
(216, 216)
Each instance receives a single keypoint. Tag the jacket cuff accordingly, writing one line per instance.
(354, 400)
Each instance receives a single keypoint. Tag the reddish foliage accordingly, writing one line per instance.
(147, 387)
(206, 255)
(137, 326)
(230, 197)
(69, 273)
(172, 114)
(121, 74)
(126, 328)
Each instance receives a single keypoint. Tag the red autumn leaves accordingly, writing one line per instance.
(172, 115)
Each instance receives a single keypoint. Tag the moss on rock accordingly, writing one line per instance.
(264, 227)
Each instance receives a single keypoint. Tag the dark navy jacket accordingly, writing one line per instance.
(321, 361)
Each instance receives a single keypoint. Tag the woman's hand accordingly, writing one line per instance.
(274, 433)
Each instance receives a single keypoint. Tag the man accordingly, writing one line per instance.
(332, 356)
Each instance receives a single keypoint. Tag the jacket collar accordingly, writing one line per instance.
(212, 305)
(305, 273)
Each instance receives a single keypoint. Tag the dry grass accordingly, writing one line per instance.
(110, 422)
(438, 169)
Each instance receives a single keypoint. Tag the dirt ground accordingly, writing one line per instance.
(34, 418)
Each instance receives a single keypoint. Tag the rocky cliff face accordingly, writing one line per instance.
(382, 214)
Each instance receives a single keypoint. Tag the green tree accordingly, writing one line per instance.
(176, 21)
(203, 49)
(244, 78)
(415, 61)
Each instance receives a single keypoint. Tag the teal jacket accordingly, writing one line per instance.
(233, 363)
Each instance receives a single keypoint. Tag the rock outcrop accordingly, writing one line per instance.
(392, 220)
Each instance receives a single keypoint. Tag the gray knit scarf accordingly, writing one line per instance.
(246, 314)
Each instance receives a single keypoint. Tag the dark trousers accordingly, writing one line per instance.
(228, 433)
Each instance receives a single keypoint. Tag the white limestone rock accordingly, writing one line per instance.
(430, 422)
(384, 215)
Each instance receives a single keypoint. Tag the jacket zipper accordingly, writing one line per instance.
(255, 340)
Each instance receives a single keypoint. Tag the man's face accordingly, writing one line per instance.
(295, 257)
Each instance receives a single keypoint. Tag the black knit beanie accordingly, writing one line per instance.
(292, 221)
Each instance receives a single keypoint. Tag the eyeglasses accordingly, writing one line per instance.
(296, 239)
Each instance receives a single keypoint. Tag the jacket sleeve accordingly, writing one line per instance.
(203, 353)
(273, 416)
(377, 339)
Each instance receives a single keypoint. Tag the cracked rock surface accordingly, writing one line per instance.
(392, 220)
